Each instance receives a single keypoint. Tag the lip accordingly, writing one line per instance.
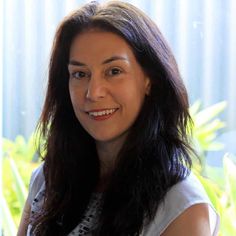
(103, 117)
(103, 109)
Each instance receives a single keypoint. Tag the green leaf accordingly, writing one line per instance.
(7, 146)
(206, 127)
(31, 147)
(211, 127)
(21, 190)
(215, 146)
(228, 223)
(9, 226)
(230, 174)
(209, 113)
(213, 191)
(195, 108)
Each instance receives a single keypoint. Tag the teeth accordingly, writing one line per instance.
(102, 113)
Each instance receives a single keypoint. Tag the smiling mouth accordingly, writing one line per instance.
(102, 114)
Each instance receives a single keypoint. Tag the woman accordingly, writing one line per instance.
(115, 121)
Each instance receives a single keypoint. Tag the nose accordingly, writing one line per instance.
(96, 89)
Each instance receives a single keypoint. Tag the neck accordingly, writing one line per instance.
(107, 153)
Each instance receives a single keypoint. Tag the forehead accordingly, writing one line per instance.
(99, 43)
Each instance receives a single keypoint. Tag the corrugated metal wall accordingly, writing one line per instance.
(202, 34)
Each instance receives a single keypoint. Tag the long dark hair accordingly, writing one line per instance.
(156, 153)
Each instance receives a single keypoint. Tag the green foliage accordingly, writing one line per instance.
(9, 226)
(220, 184)
(229, 216)
(206, 129)
(17, 166)
(224, 198)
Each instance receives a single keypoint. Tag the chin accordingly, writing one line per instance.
(103, 138)
(109, 138)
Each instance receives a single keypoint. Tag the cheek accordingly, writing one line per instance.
(134, 93)
(75, 96)
(132, 100)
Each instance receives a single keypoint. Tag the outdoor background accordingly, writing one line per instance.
(201, 33)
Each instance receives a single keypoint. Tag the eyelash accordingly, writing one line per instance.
(112, 69)
(75, 74)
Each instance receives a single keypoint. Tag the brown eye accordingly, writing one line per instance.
(79, 75)
(114, 71)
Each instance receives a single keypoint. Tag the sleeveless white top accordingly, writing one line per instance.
(180, 197)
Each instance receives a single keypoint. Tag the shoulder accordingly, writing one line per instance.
(180, 198)
(194, 221)
(36, 182)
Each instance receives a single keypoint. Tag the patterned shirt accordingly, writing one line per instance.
(180, 197)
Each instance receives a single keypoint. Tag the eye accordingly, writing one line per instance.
(79, 75)
(114, 71)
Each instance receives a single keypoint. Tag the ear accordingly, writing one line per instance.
(147, 86)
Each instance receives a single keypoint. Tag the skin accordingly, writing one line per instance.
(105, 75)
(194, 221)
(22, 230)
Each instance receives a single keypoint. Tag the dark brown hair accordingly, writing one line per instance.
(156, 154)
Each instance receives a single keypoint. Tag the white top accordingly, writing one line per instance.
(180, 197)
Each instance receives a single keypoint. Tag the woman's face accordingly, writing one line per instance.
(107, 85)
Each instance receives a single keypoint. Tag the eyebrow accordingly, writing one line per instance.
(109, 60)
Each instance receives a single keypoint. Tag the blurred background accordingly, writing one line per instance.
(202, 35)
